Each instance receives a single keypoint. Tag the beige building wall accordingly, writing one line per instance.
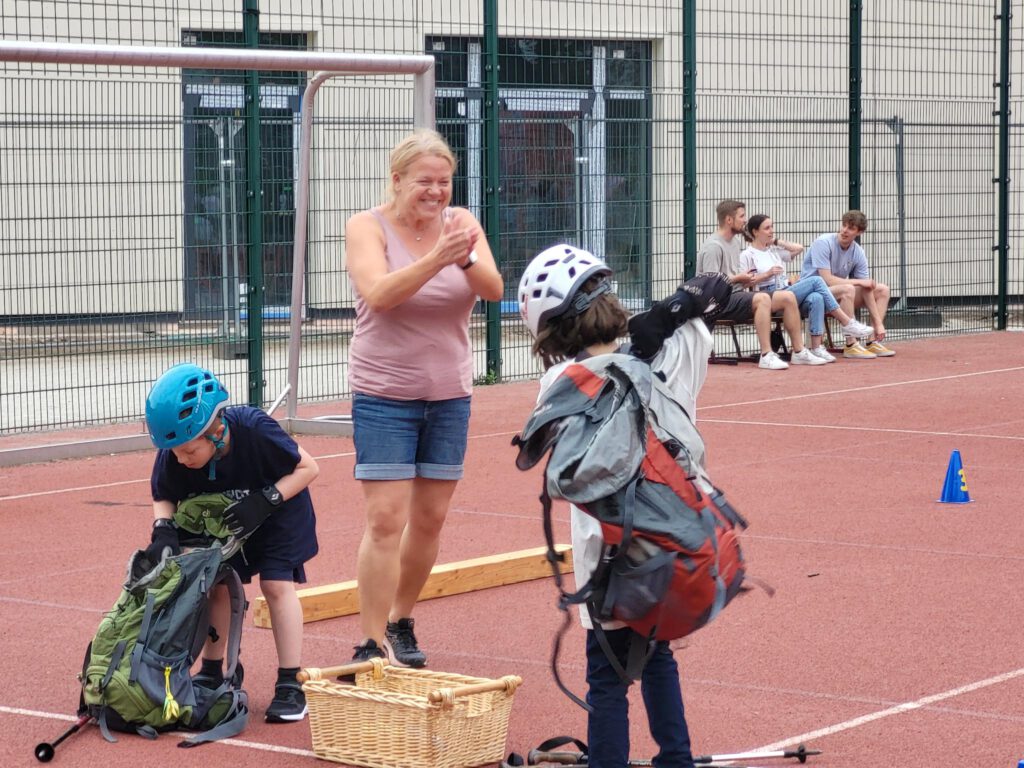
(96, 211)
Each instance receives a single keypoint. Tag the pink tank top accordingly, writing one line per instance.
(420, 349)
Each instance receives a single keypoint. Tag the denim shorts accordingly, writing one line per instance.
(403, 439)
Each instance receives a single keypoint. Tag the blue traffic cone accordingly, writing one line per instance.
(954, 489)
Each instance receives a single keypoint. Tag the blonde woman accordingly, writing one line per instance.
(418, 266)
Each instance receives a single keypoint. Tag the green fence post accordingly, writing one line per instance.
(855, 44)
(254, 207)
(689, 138)
(1003, 180)
(492, 178)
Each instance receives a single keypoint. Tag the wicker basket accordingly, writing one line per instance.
(395, 717)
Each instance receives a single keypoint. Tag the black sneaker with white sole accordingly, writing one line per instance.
(400, 642)
(289, 704)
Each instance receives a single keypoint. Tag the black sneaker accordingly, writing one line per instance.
(365, 652)
(215, 681)
(400, 642)
(289, 704)
(207, 681)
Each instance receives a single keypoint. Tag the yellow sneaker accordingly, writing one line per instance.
(856, 351)
(879, 349)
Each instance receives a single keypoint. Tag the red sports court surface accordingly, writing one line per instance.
(893, 638)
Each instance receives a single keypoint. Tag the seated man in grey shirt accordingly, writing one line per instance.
(721, 253)
(838, 259)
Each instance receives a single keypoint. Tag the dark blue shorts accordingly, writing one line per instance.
(403, 439)
(279, 548)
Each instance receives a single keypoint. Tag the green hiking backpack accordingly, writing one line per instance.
(136, 676)
(200, 522)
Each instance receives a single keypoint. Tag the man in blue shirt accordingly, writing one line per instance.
(839, 260)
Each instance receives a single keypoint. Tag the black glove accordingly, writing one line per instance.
(701, 295)
(245, 516)
(163, 541)
(712, 290)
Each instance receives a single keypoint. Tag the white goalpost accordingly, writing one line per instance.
(323, 67)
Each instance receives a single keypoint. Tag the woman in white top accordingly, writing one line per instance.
(764, 258)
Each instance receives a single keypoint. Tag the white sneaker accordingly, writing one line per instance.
(822, 354)
(804, 357)
(857, 329)
(772, 362)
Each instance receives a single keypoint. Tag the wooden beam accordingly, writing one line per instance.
(333, 600)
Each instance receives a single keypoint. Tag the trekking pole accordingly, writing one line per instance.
(584, 764)
(44, 752)
(801, 753)
(538, 757)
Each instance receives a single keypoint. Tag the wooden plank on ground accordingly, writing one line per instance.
(332, 600)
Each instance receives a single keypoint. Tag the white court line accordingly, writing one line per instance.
(37, 576)
(183, 735)
(37, 713)
(53, 491)
(896, 710)
(862, 389)
(802, 738)
(263, 747)
(890, 547)
(335, 455)
(45, 604)
(861, 429)
(505, 434)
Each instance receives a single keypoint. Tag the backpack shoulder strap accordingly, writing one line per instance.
(227, 576)
(234, 722)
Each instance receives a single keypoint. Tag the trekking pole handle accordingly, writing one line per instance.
(535, 757)
(314, 673)
(508, 683)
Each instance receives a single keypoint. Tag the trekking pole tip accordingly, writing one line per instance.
(44, 752)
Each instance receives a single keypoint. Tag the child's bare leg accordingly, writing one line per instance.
(286, 620)
(220, 620)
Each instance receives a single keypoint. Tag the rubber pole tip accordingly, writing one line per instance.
(44, 752)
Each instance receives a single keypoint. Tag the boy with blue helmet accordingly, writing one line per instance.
(204, 447)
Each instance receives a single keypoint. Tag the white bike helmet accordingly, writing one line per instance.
(550, 282)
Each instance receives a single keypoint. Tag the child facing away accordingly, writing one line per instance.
(207, 447)
(567, 302)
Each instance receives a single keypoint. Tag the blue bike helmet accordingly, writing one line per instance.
(183, 404)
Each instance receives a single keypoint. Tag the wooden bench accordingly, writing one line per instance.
(778, 341)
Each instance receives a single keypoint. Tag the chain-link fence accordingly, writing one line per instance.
(1015, 171)
(141, 207)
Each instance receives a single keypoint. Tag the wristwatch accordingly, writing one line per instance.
(470, 261)
(163, 522)
(272, 495)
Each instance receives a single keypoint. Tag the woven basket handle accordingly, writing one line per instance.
(329, 673)
(509, 683)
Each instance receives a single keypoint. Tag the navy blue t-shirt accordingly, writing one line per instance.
(259, 454)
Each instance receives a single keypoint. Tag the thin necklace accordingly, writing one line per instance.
(417, 237)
